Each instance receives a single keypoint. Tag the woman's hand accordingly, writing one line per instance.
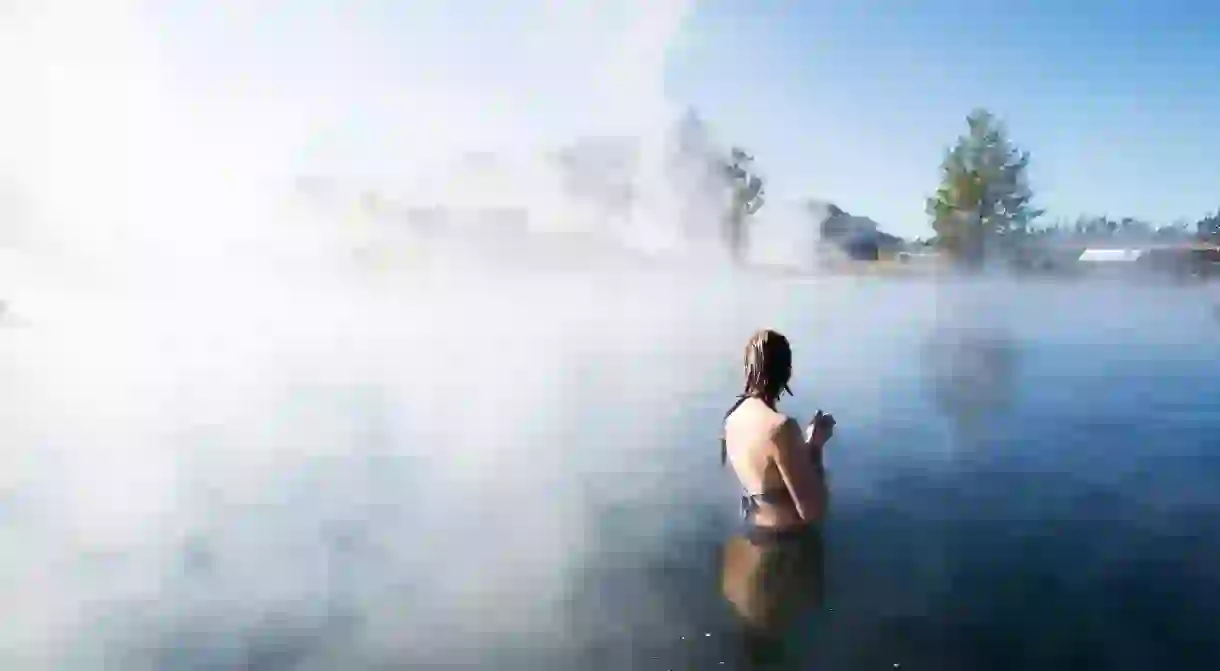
(821, 429)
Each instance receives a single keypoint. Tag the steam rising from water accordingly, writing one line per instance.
(226, 442)
(219, 431)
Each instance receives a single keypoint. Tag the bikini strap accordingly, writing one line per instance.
(724, 441)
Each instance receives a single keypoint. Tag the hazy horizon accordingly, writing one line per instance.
(229, 437)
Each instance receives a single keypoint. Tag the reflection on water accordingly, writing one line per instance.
(1070, 529)
(772, 580)
(971, 373)
(1070, 525)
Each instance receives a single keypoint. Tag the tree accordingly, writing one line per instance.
(1208, 228)
(717, 184)
(984, 195)
(1178, 230)
(746, 197)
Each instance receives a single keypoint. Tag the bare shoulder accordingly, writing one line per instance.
(759, 421)
(784, 430)
(750, 413)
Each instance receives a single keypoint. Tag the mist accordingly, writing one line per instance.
(229, 440)
(229, 443)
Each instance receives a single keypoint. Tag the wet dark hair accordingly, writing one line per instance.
(768, 367)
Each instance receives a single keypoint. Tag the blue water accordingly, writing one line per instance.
(1021, 479)
(1038, 490)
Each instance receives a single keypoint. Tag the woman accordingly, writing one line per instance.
(773, 571)
(779, 466)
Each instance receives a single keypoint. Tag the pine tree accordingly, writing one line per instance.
(984, 198)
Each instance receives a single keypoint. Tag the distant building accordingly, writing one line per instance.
(1176, 258)
(1195, 258)
(1106, 255)
(851, 237)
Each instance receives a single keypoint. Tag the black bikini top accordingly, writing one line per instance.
(749, 502)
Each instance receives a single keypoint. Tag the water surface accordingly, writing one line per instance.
(1022, 484)
(1022, 478)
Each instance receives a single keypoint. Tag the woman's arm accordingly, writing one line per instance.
(815, 457)
(802, 475)
(820, 430)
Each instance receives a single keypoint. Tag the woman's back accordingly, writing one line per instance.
(749, 434)
(754, 435)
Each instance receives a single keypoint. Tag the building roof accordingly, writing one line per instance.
(1106, 255)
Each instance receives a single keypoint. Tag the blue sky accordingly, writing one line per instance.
(852, 102)
(855, 102)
